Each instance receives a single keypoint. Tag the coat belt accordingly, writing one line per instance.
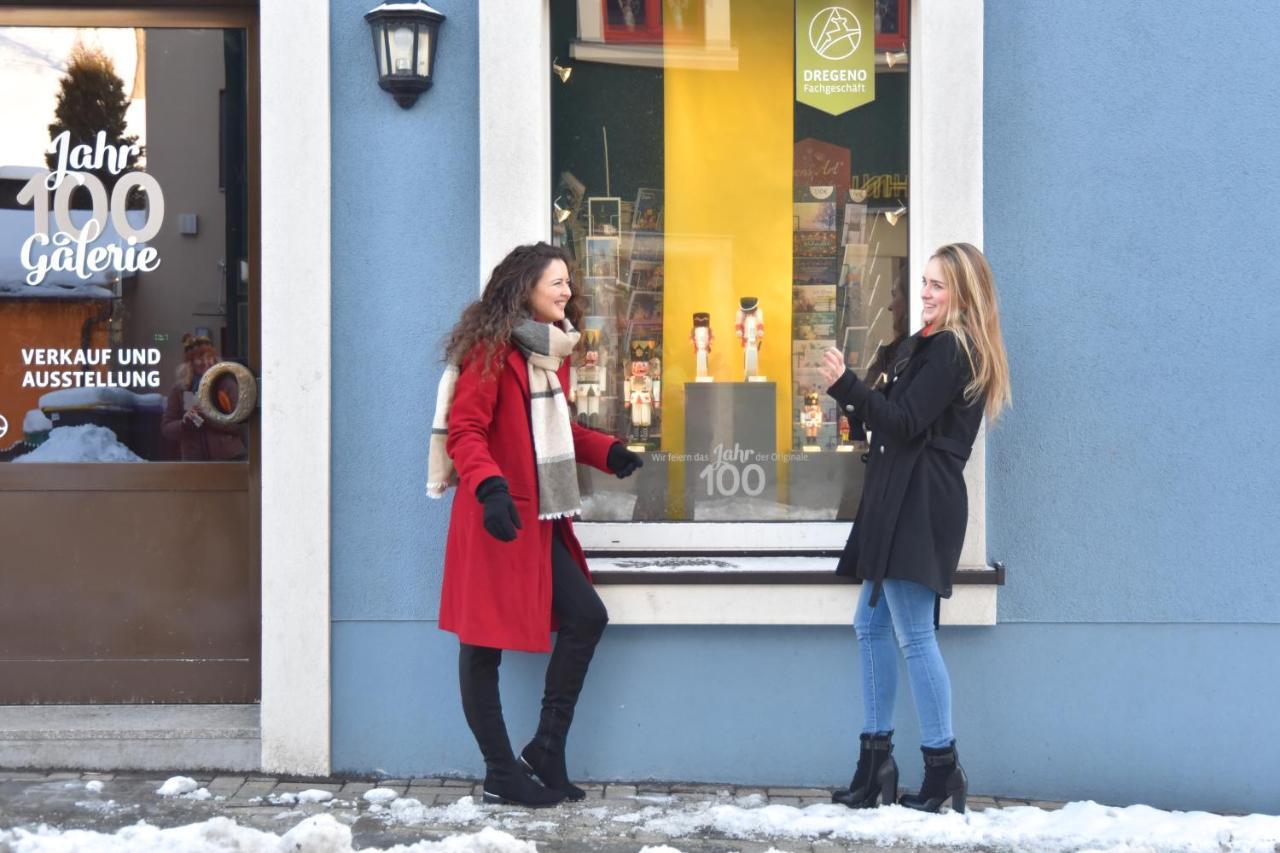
(950, 445)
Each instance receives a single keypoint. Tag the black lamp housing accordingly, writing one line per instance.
(405, 39)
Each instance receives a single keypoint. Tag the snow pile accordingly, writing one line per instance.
(97, 398)
(380, 796)
(314, 795)
(185, 787)
(176, 785)
(93, 787)
(319, 834)
(410, 811)
(35, 421)
(84, 443)
(1086, 825)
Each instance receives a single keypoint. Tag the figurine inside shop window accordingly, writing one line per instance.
(811, 419)
(702, 339)
(643, 392)
(587, 381)
(749, 324)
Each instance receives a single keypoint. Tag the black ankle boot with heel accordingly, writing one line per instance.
(876, 776)
(944, 779)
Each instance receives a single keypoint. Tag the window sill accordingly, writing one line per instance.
(759, 590)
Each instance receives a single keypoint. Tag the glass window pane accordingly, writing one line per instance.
(402, 49)
(729, 225)
(424, 51)
(123, 242)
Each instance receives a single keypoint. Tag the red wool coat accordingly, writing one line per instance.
(498, 594)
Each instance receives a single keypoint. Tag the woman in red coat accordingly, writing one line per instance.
(513, 569)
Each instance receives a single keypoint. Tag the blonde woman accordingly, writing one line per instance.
(910, 525)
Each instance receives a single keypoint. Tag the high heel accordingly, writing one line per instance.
(944, 779)
(876, 776)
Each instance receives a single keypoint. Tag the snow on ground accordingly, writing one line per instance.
(319, 834)
(1078, 826)
(1081, 826)
(84, 443)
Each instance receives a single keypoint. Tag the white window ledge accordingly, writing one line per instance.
(683, 590)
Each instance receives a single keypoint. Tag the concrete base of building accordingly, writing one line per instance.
(132, 737)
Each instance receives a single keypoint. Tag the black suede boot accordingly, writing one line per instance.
(544, 757)
(504, 780)
(876, 776)
(943, 778)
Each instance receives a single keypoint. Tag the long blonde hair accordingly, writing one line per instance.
(974, 317)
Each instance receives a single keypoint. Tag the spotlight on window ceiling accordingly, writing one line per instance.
(560, 213)
(894, 215)
(892, 58)
(561, 71)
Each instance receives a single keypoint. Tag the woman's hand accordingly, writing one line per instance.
(832, 365)
(500, 516)
(623, 462)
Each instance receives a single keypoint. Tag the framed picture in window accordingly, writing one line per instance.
(892, 19)
(647, 212)
(632, 21)
(602, 257)
(604, 215)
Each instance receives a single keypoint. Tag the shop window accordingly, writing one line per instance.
(735, 205)
(123, 243)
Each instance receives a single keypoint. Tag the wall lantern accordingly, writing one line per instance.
(405, 37)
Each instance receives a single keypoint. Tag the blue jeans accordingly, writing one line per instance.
(905, 608)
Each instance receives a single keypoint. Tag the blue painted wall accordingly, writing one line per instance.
(1131, 220)
(1129, 216)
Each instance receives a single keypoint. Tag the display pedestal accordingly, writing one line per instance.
(845, 448)
(730, 432)
(811, 448)
(757, 378)
(705, 379)
(826, 481)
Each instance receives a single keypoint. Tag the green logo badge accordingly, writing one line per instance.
(835, 54)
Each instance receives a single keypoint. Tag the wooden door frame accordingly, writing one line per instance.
(289, 202)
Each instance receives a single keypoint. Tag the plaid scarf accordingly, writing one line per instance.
(545, 347)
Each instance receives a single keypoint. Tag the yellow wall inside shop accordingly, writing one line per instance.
(728, 218)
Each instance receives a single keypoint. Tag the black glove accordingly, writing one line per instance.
(500, 516)
(623, 462)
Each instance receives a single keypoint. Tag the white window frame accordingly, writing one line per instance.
(945, 204)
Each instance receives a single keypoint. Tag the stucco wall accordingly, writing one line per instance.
(1131, 221)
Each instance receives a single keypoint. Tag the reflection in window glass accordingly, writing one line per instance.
(123, 243)
(731, 179)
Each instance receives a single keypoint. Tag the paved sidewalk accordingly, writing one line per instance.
(610, 819)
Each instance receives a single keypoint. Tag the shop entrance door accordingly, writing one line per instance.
(129, 447)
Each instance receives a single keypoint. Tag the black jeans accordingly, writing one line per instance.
(583, 618)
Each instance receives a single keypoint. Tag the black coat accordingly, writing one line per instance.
(911, 520)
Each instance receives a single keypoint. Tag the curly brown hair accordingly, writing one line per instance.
(489, 320)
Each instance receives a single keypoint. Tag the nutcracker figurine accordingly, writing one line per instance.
(811, 417)
(641, 396)
(844, 430)
(702, 339)
(587, 383)
(749, 325)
